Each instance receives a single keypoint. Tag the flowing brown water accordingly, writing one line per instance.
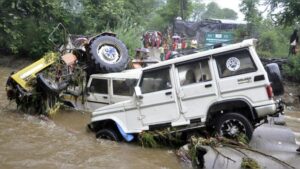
(33, 142)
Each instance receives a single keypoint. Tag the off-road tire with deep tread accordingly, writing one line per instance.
(101, 66)
(236, 117)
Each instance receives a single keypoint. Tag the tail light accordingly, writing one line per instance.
(270, 91)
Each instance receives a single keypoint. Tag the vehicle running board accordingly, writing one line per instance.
(176, 129)
(159, 126)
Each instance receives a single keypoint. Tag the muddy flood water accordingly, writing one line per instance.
(63, 142)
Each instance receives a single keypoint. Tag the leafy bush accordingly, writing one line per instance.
(130, 33)
(268, 43)
(292, 69)
(264, 54)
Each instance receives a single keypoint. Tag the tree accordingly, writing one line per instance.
(169, 11)
(198, 10)
(213, 11)
(289, 11)
(252, 15)
(25, 25)
(229, 14)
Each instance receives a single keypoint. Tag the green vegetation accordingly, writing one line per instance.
(26, 24)
(273, 32)
(214, 11)
(292, 70)
(130, 33)
(249, 163)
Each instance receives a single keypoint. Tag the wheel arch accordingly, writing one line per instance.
(104, 123)
(231, 105)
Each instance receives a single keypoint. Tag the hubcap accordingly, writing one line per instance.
(232, 128)
(108, 54)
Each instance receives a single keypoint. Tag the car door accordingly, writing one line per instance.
(157, 103)
(197, 89)
(98, 94)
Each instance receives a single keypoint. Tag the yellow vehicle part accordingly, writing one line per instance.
(23, 76)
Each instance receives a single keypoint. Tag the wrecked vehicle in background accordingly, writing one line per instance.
(101, 90)
(37, 88)
(227, 90)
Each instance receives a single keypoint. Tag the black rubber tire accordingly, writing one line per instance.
(234, 118)
(45, 85)
(275, 78)
(108, 134)
(101, 65)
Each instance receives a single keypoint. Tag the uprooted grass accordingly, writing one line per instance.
(249, 163)
(161, 138)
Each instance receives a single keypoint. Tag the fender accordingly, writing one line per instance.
(252, 113)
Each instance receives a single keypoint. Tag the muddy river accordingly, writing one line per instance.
(33, 142)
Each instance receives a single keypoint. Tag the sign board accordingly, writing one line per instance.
(212, 38)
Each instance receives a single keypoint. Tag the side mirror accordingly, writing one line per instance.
(138, 92)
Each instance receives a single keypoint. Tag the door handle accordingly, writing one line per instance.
(104, 97)
(208, 85)
(168, 93)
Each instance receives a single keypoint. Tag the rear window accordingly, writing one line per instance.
(100, 86)
(235, 63)
(155, 80)
(124, 87)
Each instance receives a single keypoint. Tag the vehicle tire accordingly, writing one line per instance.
(109, 54)
(231, 125)
(275, 78)
(49, 85)
(108, 134)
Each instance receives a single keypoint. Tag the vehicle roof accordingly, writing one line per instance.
(126, 74)
(243, 44)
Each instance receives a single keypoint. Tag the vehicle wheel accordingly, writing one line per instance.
(49, 85)
(275, 78)
(231, 125)
(108, 134)
(108, 54)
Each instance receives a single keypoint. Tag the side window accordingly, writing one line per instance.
(100, 86)
(124, 87)
(155, 80)
(194, 72)
(235, 63)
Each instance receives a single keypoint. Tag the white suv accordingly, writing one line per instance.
(226, 89)
(102, 89)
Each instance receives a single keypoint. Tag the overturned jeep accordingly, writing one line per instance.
(38, 87)
(226, 90)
